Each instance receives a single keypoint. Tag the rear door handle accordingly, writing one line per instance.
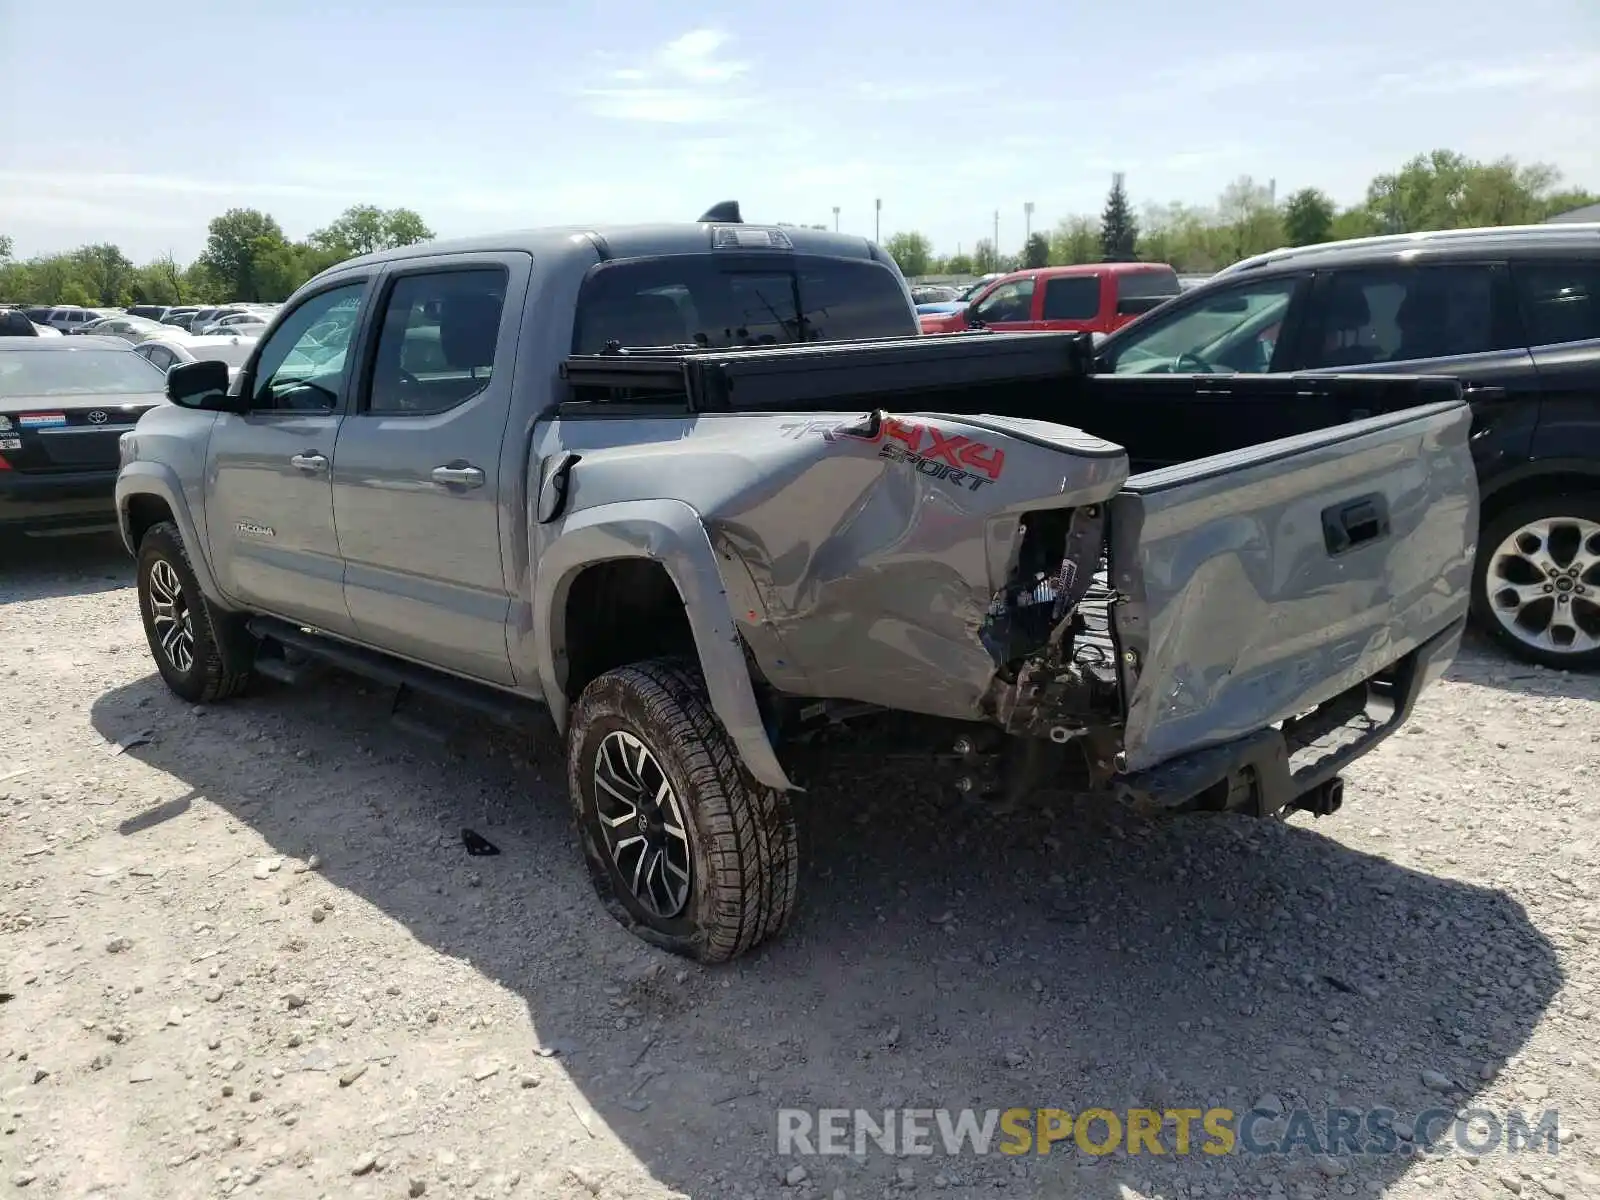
(311, 462)
(1469, 394)
(461, 475)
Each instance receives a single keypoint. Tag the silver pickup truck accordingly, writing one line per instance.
(697, 491)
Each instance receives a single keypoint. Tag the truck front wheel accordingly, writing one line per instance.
(684, 848)
(200, 652)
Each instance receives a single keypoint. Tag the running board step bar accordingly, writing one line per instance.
(503, 707)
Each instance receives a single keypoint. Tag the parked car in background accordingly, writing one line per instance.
(934, 294)
(1090, 298)
(239, 321)
(151, 312)
(1514, 314)
(170, 350)
(64, 402)
(14, 323)
(180, 315)
(70, 318)
(127, 327)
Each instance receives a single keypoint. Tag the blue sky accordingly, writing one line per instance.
(135, 124)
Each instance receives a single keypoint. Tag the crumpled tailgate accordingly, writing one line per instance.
(1258, 584)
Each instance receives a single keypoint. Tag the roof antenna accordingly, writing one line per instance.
(725, 213)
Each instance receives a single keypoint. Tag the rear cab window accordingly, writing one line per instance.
(711, 300)
(1140, 291)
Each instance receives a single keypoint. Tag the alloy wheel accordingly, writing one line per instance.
(643, 824)
(1543, 584)
(170, 615)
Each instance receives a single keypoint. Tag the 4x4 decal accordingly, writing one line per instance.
(931, 451)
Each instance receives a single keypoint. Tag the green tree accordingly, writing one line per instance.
(365, 228)
(1308, 217)
(1075, 240)
(238, 239)
(1036, 251)
(105, 273)
(1119, 229)
(1246, 213)
(958, 264)
(5, 246)
(984, 259)
(912, 251)
(1555, 203)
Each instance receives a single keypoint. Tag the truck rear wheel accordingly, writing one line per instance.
(200, 653)
(684, 848)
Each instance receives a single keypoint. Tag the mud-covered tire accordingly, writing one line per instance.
(742, 842)
(217, 662)
(1576, 513)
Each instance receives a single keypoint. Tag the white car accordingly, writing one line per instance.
(171, 350)
(237, 320)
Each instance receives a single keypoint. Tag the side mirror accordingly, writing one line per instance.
(204, 386)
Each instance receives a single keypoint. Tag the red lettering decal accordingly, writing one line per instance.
(991, 460)
(904, 431)
(947, 448)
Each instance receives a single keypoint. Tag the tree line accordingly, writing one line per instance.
(247, 257)
(1438, 190)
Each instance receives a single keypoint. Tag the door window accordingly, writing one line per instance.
(302, 366)
(1560, 301)
(1009, 302)
(1400, 314)
(438, 341)
(1072, 298)
(1232, 330)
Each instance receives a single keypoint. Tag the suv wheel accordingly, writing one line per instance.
(197, 649)
(1536, 584)
(683, 847)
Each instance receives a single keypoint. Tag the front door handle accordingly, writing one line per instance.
(311, 462)
(1483, 393)
(460, 475)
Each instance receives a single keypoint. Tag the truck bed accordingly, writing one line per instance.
(1233, 550)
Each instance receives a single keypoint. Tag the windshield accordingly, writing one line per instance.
(75, 372)
(717, 300)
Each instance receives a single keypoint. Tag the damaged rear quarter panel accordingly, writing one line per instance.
(874, 558)
(1237, 613)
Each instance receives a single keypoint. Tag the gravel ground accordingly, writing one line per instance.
(244, 952)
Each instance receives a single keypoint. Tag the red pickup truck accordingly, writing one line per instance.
(1095, 297)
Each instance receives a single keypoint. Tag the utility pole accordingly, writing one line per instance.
(1027, 223)
(877, 221)
(997, 239)
(1272, 193)
(836, 218)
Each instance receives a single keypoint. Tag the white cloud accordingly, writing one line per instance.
(687, 81)
(1559, 73)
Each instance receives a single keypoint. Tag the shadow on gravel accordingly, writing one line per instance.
(942, 957)
(1485, 664)
(76, 565)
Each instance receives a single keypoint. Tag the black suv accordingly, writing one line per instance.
(1514, 314)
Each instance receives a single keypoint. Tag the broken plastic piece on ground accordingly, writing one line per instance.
(142, 738)
(476, 844)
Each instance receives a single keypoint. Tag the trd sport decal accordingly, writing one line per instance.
(953, 457)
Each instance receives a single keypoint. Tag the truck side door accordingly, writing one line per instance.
(417, 477)
(1076, 302)
(1008, 307)
(269, 506)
